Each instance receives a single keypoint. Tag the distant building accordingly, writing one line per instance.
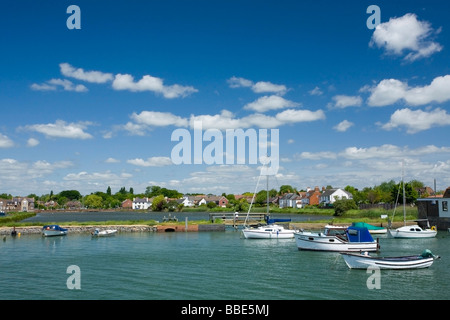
(329, 196)
(141, 203)
(127, 204)
(22, 204)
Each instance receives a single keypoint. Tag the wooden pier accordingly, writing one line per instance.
(236, 219)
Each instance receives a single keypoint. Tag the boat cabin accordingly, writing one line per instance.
(436, 210)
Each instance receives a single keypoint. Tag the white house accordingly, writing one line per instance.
(187, 201)
(290, 200)
(331, 195)
(141, 203)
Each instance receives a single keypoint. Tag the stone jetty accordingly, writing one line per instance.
(80, 229)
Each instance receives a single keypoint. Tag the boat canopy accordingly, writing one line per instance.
(359, 234)
(271, 221)
(366, 225)
(53, 227)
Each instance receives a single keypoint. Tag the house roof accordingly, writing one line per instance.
(329, 192)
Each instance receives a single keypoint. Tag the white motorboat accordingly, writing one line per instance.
(413, 231)
(335, 239)
(53, 230)
(364, 260)
(103, 233)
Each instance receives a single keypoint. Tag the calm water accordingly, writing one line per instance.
(158, 216)
(206, 266)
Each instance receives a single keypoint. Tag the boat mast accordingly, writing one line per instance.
(267, 187)
(404, 199)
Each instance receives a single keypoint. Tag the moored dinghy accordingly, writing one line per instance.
(364, 260)
(53, 230)
(352, 239)
(103, 233)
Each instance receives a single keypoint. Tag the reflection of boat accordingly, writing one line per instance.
(53, 230)
(332, 239)
(364, 260)
(103, 233)
(372, 229)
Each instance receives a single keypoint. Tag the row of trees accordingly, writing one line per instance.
(386, 192)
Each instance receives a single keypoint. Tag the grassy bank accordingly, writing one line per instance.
(366, 215)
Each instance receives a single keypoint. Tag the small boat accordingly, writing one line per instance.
(335, 239)
(410, 231)
(52, 230)
(269, 231)
(364, 260)
(372, 229)
(413, 231)
(103, 233)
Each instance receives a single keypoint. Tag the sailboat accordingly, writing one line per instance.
(270, 231)
(410, 231)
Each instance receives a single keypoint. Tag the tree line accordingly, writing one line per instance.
(386, 192)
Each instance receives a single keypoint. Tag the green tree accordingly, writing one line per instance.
(211, 204)
(70, 194)
(287, 189)
(159, 203)
(93, 201)
(108, 191)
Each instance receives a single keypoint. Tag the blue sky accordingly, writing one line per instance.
(95, 107)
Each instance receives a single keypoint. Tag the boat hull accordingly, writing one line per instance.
(268, 233)
(319, 242)
(54, 233)
(360, 261)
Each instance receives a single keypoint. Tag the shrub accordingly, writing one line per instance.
(343, 205)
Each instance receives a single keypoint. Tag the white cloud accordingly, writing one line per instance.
(406, 34)
(264, 86)
(159, 119)
(32, 142)
(151, 162)
(112, 160)
(236, 82)
(343, 126)
(258, 87)
(343, 101)
(417, 120)
(89, 76)
(61, 129)
(390, 91)
(316, 92)
(53, 85)
(5, 142)
(291, 116)
(270, 103)
(150, 83)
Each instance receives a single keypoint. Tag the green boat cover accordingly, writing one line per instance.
(366, 225)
